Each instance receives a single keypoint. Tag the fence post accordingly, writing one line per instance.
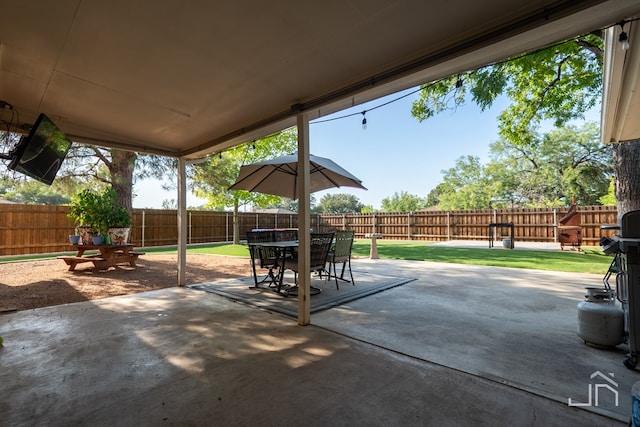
(143, 224)
(448, 225)
(189, 225)
(408, 225)
(555, 223)
(374, 223)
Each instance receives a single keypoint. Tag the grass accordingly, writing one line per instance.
(592, 261)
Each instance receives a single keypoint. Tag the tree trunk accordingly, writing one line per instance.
(626, 158)
(121, 168)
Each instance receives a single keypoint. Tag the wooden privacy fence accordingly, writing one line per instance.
(33, 229)
(531, 225)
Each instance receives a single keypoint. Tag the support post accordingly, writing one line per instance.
(304, 222)
(182, 221)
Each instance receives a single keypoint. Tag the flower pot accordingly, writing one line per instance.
(85, 233)
(97, 240)
(74, 239)
(119, 235)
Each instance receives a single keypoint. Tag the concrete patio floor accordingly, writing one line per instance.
(462, 345)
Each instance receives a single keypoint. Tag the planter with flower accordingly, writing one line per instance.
(95, 213)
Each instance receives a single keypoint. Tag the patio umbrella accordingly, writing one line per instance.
(279, 176)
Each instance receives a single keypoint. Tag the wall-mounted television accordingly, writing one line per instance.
(40, 154)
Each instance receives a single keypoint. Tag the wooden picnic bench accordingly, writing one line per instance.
(108, 256)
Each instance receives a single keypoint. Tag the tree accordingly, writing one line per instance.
(403, 202)
(559, 83)
(609, 199)
(292, 205)
(466, 186)
(212, 178)
(339, 203)
(554, 167)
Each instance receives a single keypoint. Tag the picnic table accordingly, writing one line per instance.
(107, 256)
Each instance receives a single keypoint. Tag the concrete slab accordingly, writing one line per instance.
(513, 326)
(462, 345)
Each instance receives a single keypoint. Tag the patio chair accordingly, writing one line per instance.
(264, 257)
(320, 245)
(341, 253)
(285, 235)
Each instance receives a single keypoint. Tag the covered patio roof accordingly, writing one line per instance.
(185, 80)
(621, 85)
(189, 79)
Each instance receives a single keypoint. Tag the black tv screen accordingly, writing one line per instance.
(40, 154)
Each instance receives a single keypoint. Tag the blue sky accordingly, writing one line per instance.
(395, 153)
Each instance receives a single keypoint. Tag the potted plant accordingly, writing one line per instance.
(99, 212)
(82, 211)
(118, 221)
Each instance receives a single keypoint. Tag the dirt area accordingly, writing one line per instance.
(32, 284)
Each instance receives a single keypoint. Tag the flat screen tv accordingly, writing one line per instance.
(40, 154)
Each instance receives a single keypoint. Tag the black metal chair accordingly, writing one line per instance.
(341, 253)
(285, 235)
(319, 247)
(265, 257)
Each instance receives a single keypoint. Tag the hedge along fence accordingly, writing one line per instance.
(34, 229)
(531, 225)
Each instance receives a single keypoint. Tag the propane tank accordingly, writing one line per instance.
(600, 320)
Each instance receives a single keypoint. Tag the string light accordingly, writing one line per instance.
(623, 38)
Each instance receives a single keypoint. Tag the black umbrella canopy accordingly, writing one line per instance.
(279, 176)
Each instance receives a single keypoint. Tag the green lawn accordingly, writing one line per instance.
(594, 261)
(591, 262)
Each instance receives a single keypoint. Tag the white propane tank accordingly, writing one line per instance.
(600, 320)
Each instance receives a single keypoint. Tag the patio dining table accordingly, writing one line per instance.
(282, 248)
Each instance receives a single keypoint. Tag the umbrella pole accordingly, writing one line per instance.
(304, 222)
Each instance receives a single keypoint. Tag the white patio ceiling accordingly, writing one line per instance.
(188, 78)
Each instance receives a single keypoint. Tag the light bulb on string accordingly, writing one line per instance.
(623, 38)
(364, 120)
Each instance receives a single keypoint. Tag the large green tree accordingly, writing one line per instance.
(212, 178)
(403, 202)
(465, 186)
(86, 167)
(558, 83)
(549, 171)
(339, 203)
(553, 168)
